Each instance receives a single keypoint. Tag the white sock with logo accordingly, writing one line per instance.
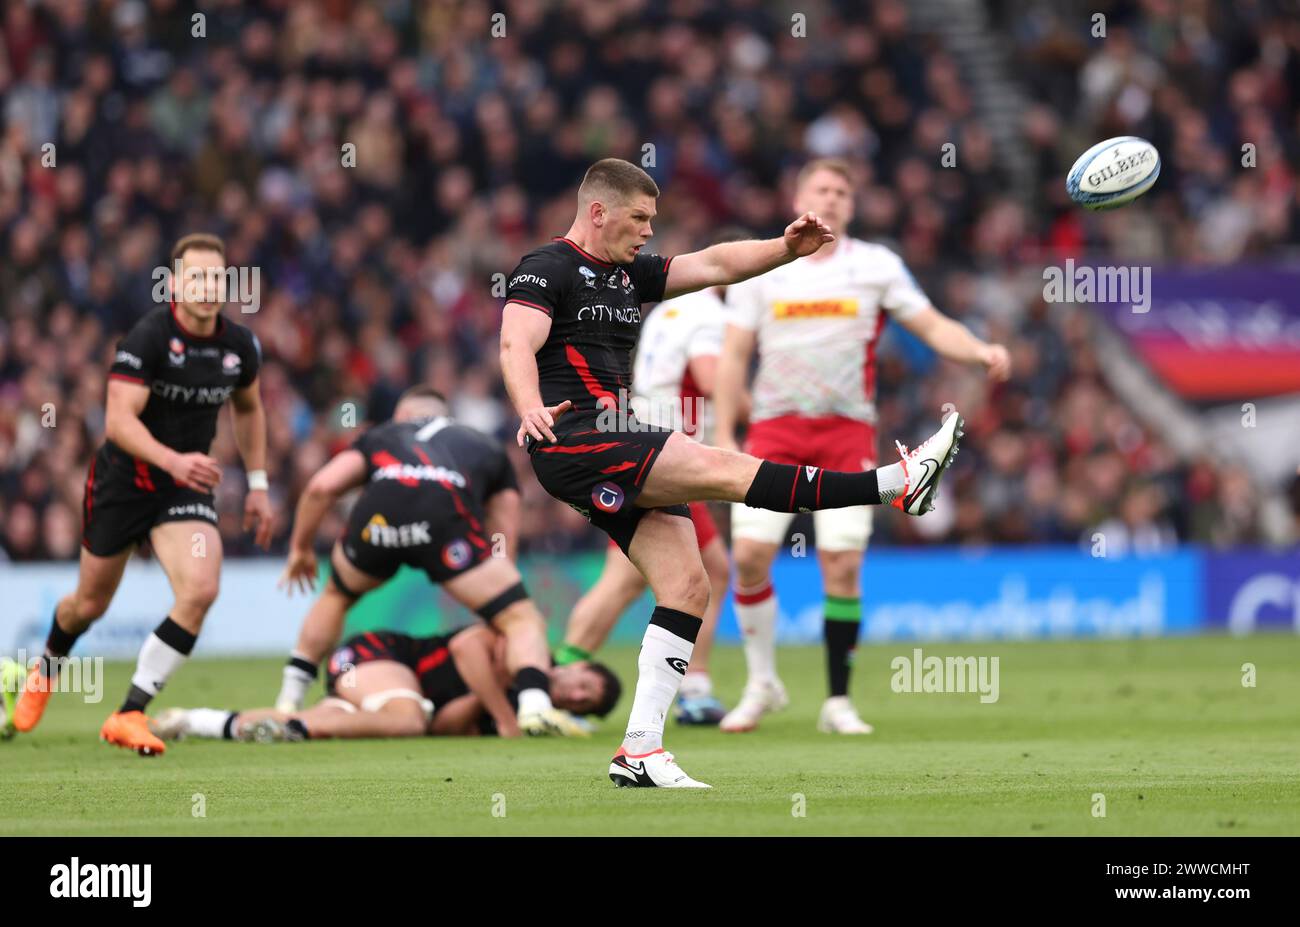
(665, 654)
(890, 481)
(756, 615)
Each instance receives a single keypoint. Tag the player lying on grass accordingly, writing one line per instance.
(438, 495)
(153, 480)
(571, 319)
(383, 684)
(674, 372)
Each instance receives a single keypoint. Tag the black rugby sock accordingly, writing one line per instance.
(788, 488)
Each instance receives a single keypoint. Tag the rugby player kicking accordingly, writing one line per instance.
(673, 374)
(153, 478)
(816, 323)
(382, 684)
(571, 319)
(437, 496)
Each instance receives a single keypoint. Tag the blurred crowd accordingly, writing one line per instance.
(384, 164)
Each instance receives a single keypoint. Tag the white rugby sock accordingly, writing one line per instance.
(206, 722)
(163, 653)
(665, 654)
(296, 681)
(756, 614)
(890, 481)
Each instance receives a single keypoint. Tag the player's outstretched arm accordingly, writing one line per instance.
(471, 649)
(250, 438)
(346, 471)
(523, 332)
(954, 341)
(123, 427)
(734, 261)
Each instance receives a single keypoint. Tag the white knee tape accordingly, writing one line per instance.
(379, 699)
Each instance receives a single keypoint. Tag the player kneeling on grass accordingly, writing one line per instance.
(153, 479)
(382, 684)
(436, 494)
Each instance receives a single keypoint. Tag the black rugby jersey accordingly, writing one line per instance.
(436, 451)
(595, 310)
(189, 377)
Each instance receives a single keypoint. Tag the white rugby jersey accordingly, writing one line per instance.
(817, 326)
(675, 332)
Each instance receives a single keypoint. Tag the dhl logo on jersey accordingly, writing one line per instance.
(816, 309)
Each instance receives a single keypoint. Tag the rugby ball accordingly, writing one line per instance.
(1113, 172)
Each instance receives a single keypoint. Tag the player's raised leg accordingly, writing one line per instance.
(190, 554)
(664, 550)
(687, 472)
(97, 581)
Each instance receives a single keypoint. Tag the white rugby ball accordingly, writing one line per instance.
(1113, 172)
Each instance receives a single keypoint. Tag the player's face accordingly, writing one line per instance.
(576, 688)
(627, 228)
(201, 285)
(829, 195)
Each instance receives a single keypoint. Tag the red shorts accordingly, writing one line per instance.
(831, 442)
(706, 529)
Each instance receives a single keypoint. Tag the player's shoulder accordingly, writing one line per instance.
(555, 253)
(155, 322)
(873, 254)
(240, 336)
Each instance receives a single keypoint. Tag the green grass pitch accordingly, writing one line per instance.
(1163, 728)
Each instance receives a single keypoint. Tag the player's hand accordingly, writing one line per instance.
(195, 471)
(998, 362)
(257, 513)
(537, 422)
(806, 234)
(300, 572)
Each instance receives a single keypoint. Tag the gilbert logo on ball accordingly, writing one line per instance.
(1113, 172)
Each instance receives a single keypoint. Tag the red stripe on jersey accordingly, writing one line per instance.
(869, 368)
(640, 473)
(431, 661)
(574, 356)
(590, 257)
(374, 641)
(142, 478)
(793, 484)
(818, 500)
(619, 468)
(524, 302)
(382, 459)
(579, 448)
(129, 379)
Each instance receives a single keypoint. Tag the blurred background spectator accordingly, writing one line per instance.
(383, 163)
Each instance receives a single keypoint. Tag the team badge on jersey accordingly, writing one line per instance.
(231, 363)
(608, 497)
(456, 554)
(588, 275)
(176, 352)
